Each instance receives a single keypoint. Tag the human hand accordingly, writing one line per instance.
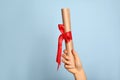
(71, 62)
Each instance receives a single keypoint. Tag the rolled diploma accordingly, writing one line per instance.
(67, 27)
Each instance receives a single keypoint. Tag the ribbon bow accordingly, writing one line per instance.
(67, 36)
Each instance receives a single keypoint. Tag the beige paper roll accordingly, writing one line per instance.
(67, 27)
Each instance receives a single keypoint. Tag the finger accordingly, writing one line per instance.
(66, 62)
(65, 56)
(68, 66)
(65, 51)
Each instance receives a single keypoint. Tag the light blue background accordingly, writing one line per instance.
(29, 32)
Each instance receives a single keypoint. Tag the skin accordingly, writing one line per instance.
(73, 65)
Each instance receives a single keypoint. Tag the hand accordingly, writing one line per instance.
(71, 62)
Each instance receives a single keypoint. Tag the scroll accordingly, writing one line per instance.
(66, 35)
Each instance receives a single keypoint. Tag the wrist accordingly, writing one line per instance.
(77, 75)
(80, 75)
(78, 72)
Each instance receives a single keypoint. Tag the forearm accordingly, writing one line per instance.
(80, 75)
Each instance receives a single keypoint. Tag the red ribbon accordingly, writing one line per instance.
(67, 36)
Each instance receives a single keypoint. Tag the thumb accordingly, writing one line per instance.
(76, 58)
(75, 55)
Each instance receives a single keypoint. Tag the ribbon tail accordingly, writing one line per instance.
(59, 52)
(58, 66)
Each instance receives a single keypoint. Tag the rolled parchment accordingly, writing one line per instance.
(67, 27)
(66, 35)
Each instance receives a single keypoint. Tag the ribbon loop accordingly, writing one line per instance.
(67, 36)
(61, 28)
